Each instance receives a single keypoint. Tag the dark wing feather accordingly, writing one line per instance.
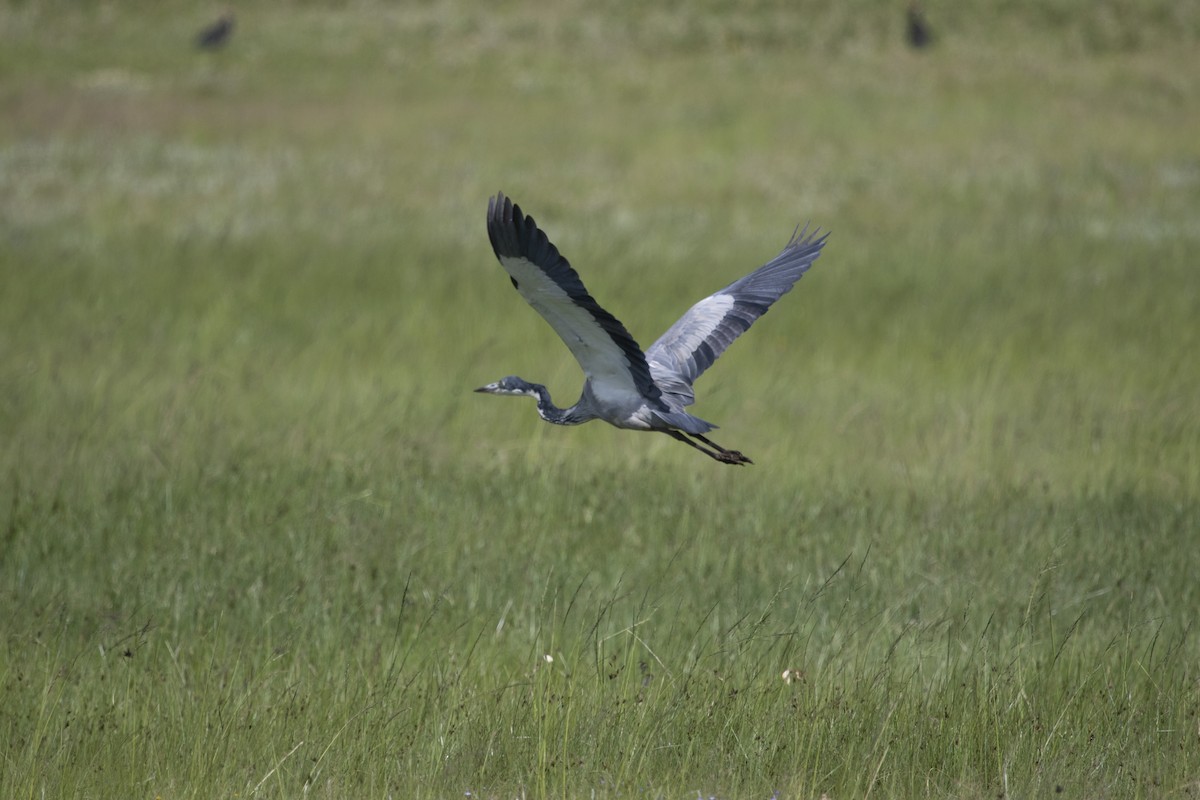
(609, 356)
(692, 344)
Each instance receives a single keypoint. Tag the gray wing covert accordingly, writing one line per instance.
(700, 336)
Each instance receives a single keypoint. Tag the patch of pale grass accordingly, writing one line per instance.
(223, 192)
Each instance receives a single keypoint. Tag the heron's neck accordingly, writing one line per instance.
(558, 416)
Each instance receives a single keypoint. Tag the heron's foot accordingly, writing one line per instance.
(716, 452)
(733, 457)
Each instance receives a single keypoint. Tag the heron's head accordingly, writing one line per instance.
(510, 385)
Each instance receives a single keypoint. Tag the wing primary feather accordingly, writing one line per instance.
(700, 336)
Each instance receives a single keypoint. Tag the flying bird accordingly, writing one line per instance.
(626, 386)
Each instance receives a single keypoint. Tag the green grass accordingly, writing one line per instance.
(258, 537)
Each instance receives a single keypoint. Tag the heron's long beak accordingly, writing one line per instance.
(486, 389)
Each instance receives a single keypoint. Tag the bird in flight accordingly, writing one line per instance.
(626, 386)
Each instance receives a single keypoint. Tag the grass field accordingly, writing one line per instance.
(258, 538)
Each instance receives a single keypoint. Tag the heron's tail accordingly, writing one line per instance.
(683, 422)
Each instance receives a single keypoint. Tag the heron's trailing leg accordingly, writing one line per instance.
(735, 455)
(718, 453)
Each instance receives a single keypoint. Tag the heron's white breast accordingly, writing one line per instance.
(618, 406)
(638, 419)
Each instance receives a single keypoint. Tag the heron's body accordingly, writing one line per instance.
(624, 386)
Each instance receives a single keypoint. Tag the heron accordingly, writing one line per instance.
(625, 386)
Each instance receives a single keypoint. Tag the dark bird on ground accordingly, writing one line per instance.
(917, 29)
(216, 35)
(624, 386)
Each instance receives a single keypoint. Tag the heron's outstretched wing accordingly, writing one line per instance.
(693, 343)
(610, 357)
